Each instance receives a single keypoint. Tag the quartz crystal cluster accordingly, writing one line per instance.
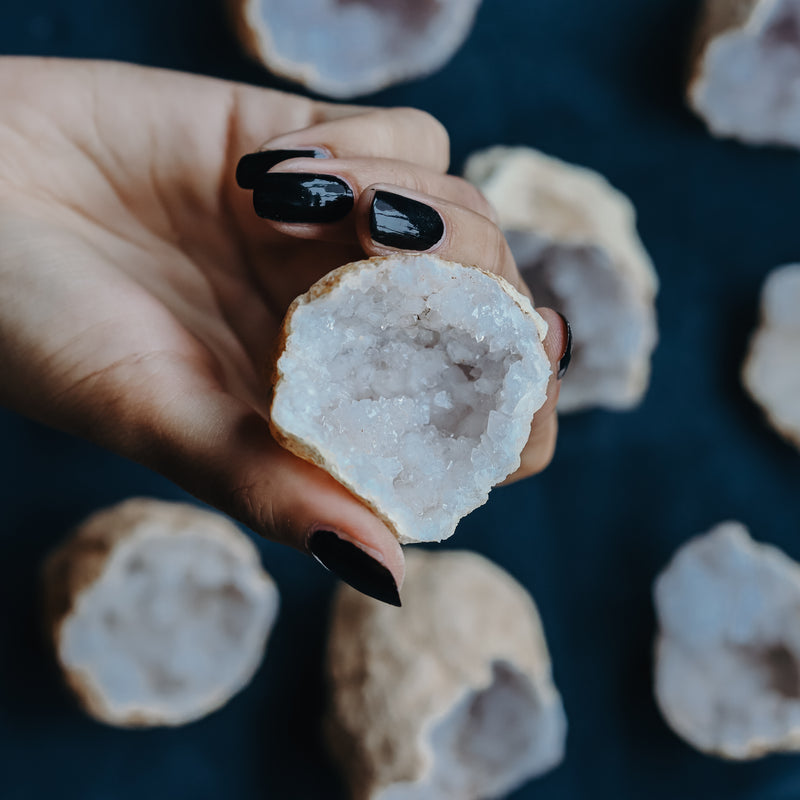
(158, 612)
(414, 382)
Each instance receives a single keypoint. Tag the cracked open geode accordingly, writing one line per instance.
(727, 667)
(346, 48)
(744, 82)
(413, 381)
(158, 612)
(450, 697)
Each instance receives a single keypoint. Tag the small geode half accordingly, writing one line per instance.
(158, 612)
(346, 48)
(450, 697)
(574, 239)
(771, 371)
(727, 666)
(745, 80)
(413, 381)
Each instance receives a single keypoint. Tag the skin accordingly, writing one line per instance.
(140, 296)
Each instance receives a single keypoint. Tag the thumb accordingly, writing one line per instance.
(221, 450)
(240, 469)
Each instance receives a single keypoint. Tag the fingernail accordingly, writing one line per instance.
(302, 197)
(563, 365)
(254, 166)
(397, 221)
(354, 566)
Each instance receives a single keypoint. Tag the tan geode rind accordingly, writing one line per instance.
(84, 560)
(575, 241)
(771, 371)
(366, 46)
(727, 658)
(412, 687)
(733, 86)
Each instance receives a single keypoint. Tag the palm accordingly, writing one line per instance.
(186, 283)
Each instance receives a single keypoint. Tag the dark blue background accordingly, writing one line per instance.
(598, 83)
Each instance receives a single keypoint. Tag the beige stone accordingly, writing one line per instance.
(450, 697)
(745, 80)
(345, 49)
(413, 381)
(771, 371)
(727, 665)
(158, 612)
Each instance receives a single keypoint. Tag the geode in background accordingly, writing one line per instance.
(450, 697)
(771, 371)
(727, 665)
(574, 239)
(158, 612)
(346, 48)
(745, 80)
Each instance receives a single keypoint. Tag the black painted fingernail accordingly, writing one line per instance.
(354, 566)
(397, 221)
(563, 365)
(254, 166)
(302, 197)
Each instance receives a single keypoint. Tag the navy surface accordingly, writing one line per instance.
(597, 83)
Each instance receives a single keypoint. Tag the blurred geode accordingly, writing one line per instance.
(158, 612)
(346, 48)
(450, 697)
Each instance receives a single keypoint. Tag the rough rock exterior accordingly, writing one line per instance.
(745, 80)
(158, 612)
(727, 670)
(344, 49)
(574, 238)
(448, 698)
(413, 381)
(771, 371)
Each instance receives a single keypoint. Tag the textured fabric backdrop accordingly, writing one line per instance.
(594, 83)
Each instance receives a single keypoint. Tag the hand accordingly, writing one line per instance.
(140, 295)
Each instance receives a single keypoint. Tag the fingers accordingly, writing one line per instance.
(405, 134)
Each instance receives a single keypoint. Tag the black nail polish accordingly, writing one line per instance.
(254, 166)
(563, 365)
(302, 197)
(354, 566)
(397, 221)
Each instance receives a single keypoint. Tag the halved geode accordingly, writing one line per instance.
(574, 239)
(346, 48)
(450, 697)
(158, 612)
(745, 80)
(727, 665)
(771, 371)
(414, 382)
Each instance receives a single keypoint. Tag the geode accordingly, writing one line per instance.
(574, 238)
(771, 371)
(413, 381)
(745, 80)
(344, 48)
(450, 697)
(158, 612)
(727, 666)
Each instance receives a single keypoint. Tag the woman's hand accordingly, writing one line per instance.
(140, 295)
